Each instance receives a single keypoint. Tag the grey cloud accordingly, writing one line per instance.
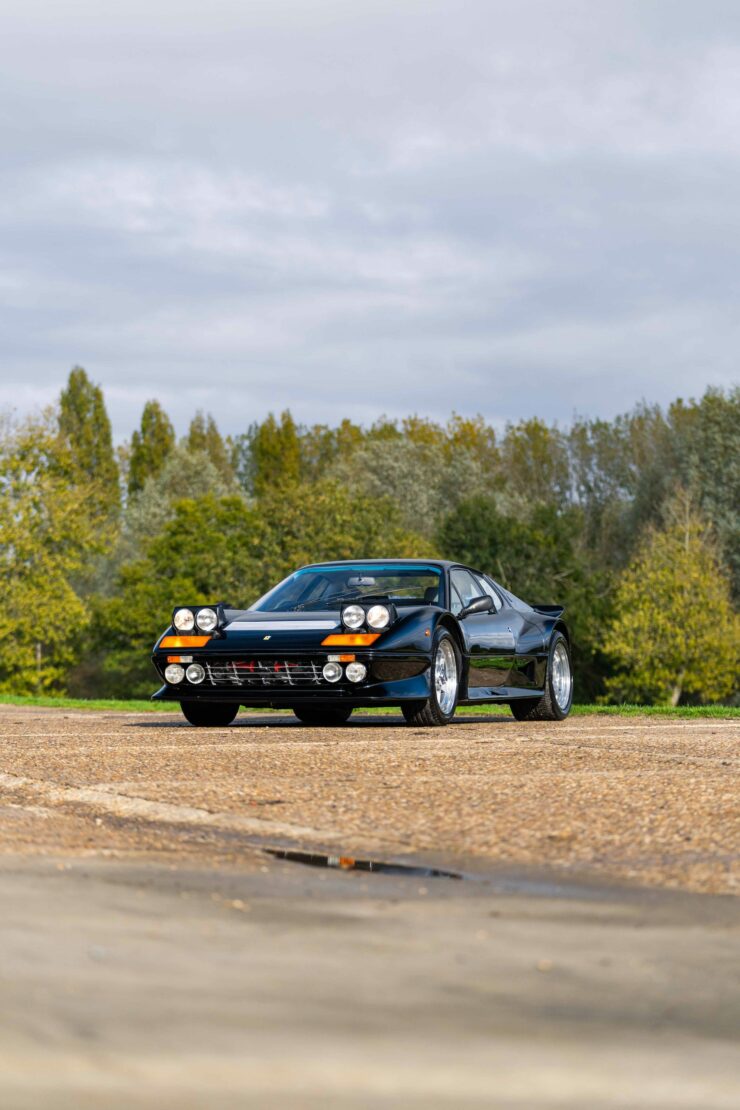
(359, 208)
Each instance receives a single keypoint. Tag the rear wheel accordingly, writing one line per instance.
(557, 699)
(204, 715)
(325, 716)
(440, 706)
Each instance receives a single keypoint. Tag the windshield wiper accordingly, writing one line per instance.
(328, 602)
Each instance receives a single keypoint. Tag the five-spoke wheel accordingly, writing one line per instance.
(439, 708)
(557, 699)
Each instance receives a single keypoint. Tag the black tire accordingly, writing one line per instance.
(322, 716)
(547, 708)
(429, 713)
(203, 715)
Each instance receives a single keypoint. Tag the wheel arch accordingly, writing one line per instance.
(448, 622)
(562, 627)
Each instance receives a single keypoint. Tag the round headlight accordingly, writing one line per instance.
(356, 672)
(183, 620)
(206, 619)
(378, 616)
(174, 673)
(195, 673)
(353, 616)
(332, 672)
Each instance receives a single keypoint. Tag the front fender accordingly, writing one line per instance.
(415, 631)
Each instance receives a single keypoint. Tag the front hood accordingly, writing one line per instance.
(278, 630)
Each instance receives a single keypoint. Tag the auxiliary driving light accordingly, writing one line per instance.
(356, 672)
(353, 616)
(332, 672)
(183, 620)
(378, 616)
(174, 673)
(195, 673)
(206, 619)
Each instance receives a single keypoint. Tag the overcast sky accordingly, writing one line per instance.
(353, 207)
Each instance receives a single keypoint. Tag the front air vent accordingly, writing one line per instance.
(263, 673)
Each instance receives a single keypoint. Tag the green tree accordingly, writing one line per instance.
(322, 446)
(204, 438)
(675, 633)
(421, 430)
(45, 543)
(416, 476)
(472, 436)
(186, 475)
(384, 428)
(707, 461)
(601, 488)
(86, 432)
(150, 446)
(533, 556)
(625, 471)
(534, 458)
(268, 455)
(334, 522)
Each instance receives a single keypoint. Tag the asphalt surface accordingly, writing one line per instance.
(152, 952)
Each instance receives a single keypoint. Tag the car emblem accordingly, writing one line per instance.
(265, 637)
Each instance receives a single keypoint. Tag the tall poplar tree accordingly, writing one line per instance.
(150, 445)
(203, 435)
(86, 434)
(275, 454)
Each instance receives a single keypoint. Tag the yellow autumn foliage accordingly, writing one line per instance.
(675, 632)
(47, 535)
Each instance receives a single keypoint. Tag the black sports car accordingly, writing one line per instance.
(420, 634)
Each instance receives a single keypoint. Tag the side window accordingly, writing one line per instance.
(465, 585)
(487, 588)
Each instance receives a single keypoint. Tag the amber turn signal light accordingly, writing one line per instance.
(350, 639)
(184, 641)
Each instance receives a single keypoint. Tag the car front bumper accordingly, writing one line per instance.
(391, 680)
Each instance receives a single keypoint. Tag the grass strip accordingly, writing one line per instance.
(137, 705)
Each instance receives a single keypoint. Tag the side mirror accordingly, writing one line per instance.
(482, 604)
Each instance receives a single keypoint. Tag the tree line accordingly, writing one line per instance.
(632, 523)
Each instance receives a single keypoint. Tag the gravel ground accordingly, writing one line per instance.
(152, 954)
(650, 801)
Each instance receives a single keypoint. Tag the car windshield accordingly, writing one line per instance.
(330, 587)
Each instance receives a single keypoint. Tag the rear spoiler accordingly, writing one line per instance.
(549, 610)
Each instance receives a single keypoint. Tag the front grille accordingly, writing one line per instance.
(263, 672)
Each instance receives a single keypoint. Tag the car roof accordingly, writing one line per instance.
(442, 563)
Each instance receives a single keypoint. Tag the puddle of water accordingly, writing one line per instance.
(349, 863)
(498, 884)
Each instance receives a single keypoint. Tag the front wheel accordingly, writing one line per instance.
(203, 715)
(440, 706)
(555, 703)
(319, 716)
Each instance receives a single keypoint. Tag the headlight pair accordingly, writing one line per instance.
(377, 617)
(205, 619)
(355, 672)
(174, 673)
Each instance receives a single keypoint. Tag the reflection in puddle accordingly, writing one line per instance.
(349, 863)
